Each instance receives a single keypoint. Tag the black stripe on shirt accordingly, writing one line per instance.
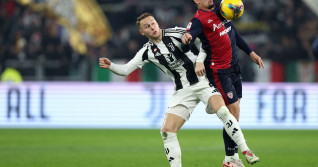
(145, 55)
(194, 50)
(188, 64)
(162, 60)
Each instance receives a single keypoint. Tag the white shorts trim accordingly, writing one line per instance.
(180, 111)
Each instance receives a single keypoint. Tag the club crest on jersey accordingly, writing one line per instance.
(155, 50)
(171, 46)
(230, 95)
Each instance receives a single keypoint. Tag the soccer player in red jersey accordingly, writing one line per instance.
(219, 39)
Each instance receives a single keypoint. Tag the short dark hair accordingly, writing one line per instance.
(193, 2)
(141, 17)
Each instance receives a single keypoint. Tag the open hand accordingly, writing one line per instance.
(257, 59)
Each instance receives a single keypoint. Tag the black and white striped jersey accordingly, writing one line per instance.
(166, 55)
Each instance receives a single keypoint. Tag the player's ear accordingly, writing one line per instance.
(141, 33)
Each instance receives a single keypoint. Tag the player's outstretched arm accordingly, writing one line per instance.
(257, 59)
(119, 69)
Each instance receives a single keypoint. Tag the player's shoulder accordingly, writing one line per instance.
(217, 3)
(144, 51)
(176, 32)
(180, 30)
(202, 16)
(147, 45)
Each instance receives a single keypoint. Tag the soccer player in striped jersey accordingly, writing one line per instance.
(164, 50)
(219, 40)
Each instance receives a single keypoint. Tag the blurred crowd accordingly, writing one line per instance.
(292, 28)
(36, 45)
(28, 39)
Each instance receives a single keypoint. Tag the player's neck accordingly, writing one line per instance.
(206, 8)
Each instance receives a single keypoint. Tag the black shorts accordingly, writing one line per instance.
(228, 82)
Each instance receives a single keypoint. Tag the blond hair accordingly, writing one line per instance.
(141, 17)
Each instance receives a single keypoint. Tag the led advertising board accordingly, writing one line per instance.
(143, 105)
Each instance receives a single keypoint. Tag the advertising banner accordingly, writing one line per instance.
(143, 105)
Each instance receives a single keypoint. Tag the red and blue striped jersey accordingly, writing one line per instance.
(219, 38)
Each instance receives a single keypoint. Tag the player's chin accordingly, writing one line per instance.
(211, 6)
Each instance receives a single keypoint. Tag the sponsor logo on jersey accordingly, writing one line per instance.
(169, 57)
(225, 31)
(157, 54)
(230, 95)
(217, 26)
(175, 64)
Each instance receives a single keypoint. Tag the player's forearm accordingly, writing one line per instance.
(194, 28)
(202, 55)
(122, 69)
(244, 46)
(240, 42)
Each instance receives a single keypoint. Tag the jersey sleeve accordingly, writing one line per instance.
(240, 41)
(202, 55)
(195, 28)
(176, 32)
(132, 65)
(217, 5)
(217, 10)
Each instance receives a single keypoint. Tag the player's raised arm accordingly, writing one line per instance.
(194, 28)
(119, 69)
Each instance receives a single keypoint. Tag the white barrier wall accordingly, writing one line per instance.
(142, 105)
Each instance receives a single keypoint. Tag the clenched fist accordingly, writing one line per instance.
(186, 38)
(104, 62)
